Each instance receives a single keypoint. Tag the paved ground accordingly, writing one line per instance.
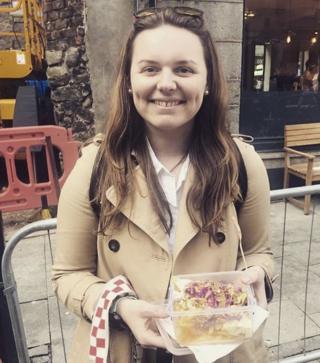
(294, 274)
(32, 261)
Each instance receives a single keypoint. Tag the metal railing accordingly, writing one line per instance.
(13, 302)
(10, 288)
(283, 194)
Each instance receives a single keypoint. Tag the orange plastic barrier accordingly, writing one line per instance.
(22, 144)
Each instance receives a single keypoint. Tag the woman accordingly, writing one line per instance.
(165, 179)
(310, 77)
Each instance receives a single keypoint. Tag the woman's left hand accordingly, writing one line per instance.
(255, 276)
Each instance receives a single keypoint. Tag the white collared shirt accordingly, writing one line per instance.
(172, 188)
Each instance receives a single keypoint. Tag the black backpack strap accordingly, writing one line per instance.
(92, 192)
(243, 181)
(95, 205)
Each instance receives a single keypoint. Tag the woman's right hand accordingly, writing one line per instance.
(139, 315)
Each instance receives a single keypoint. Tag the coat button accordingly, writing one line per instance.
(114, 245)
(220, 237)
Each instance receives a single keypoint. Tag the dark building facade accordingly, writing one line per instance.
(280, 68)
(280, 72)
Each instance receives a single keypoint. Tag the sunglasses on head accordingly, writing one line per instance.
(181, 10)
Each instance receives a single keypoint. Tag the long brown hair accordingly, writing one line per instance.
(212, 151)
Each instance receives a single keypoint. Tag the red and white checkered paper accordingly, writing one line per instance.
(99, 336)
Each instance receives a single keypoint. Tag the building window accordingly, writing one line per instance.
(280, 68)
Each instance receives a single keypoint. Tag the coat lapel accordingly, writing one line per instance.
(139, 210)
(185, 229)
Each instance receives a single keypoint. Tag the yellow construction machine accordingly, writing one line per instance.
(24, 93)
(23, 55)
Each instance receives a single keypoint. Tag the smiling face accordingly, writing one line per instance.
(168, 77)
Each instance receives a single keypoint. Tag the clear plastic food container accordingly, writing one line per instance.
(211, 308)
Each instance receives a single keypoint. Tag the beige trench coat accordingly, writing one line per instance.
(83, 263)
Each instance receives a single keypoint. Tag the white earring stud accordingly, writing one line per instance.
(129, 90)
(206, 92)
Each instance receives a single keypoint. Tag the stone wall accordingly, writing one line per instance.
(67, 71)
(108, 22)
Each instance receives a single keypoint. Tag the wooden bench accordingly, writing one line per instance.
(308, 169)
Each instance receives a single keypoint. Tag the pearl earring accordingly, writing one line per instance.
(206, 92)
(129, 90)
